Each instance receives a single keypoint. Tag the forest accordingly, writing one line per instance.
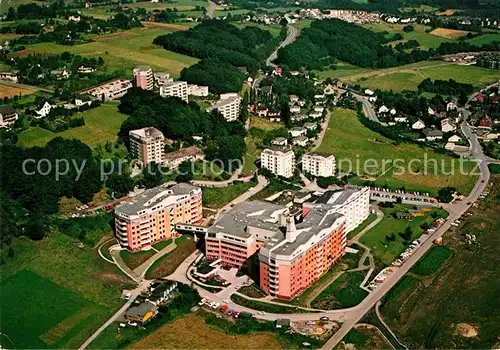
(447, 88)
(225, 52)
(329, 40)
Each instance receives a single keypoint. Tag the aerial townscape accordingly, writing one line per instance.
(249, 174)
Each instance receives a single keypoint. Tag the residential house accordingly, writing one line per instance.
(369, 92)
(446, 126)
(85, 70)
(262, 112)
(175, 158)
(279, 141)
(372, 98)
(8, 116)
(198, 90)
(392, 111)
(319, 109)
(277, 71)
(43, 111)
(315, 115)
(297, 131)
(112, 90)
(74, 18)
(311, 126)
(142, 313)
(401, 119)
(418, 125)
(301, 103)
(430, 111)
(163, 292)
(454, 139)
(485, 123)
(9, 76)
(83, 100)
(451, 106)
(300, 141)
(295, 109)
(294, 98)
(61, 73)
(383, 109)
(432, 134)
(329, 90)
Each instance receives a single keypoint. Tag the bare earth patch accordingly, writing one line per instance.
(466, 330)
(449, 33)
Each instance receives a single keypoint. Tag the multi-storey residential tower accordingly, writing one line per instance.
(229, 106)
(175, 89)
(143, 76)
(319, 164)
(151, 216)
(280, 160)
(147, 145)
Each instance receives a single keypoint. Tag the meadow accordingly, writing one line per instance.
(433, 311)
(349, 140)
(124, 50)
(408, 77)
(344, 292)
(432, 261)
(11, 91)
(387, 251)
(101, 125)
(216, 198)
(58, 293)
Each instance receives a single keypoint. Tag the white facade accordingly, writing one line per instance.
(446, 126)
(451, 106)
(198, 90)
(229, 106)
(175, 89)
(383, 109)
(110, 91)
(319, 164)
(418, 125)
(143, 76)
(147, 145)
(297, 131)
(162, 78)
(354, 204)
(279, 160)
(43, 111)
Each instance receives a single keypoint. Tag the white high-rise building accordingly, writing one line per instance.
(229, 106)
(176, 89)
(353, 203)
(147, 145)
(280, 160)
(319, 164)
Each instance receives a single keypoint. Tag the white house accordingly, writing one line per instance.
(75, 18)
(433, 134)
(319, 109)
(451, 106)
(295, 109)
(401, 119)
(279, 141)
(294, 98)
(393, 111)
(369, 92)
(298, 131)
(383, 109)
(316, 115)
(329, 89)
(446, 126)
(83, 100)
(430, 111)
(310, 126)
(301, 103)
(454, 139)
(418, 125)
(372, 98)
(300, 141)
(43, 111)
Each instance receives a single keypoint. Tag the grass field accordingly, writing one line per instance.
(371, 218)
(179, 334)
(218, 197)
(253, 153)
(124, 50)
(485, 38)
(432, 261)
(344, 292)
(464, 292)
(263, 306)
(426, 40)
(11, 91)
(388, 251)
(363, 338)
(351, 141)
(274, 29)
(135, 259)
(55, 294)
(167, 264)
(101, 124)
(447, 33)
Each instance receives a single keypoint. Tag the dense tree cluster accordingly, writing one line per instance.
(222, 47)
(328, 40)
(180, 121)
(447, 88)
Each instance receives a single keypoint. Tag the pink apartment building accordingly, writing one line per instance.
(144, 78)
(151, 216)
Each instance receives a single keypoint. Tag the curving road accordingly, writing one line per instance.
(292, 35)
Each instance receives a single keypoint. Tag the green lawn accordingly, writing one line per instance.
(219, 197)
(349, 141)
(266, 307)
(342, 69)
(485, 38)
(425, 40)
(371, 218)
(387, 251)
(135, 259)
(55, 295)
(168, 263)
(124, 50)
(101, 124)
(274, 29)
(344, 292)
(408, 78)
(432, 261)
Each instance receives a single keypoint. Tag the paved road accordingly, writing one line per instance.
(368, 109)
(135, 293)
(456, 210)
(211, 9)
(292, 34)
